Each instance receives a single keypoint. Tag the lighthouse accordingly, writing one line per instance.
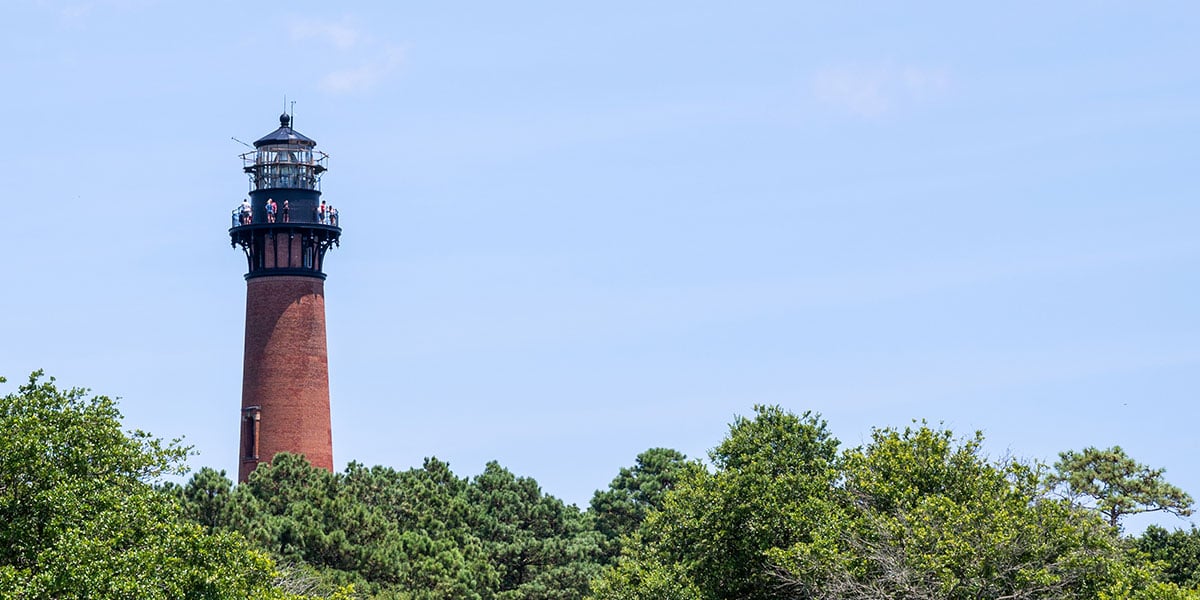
(285, 229)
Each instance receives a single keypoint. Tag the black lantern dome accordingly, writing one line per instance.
(285, 135)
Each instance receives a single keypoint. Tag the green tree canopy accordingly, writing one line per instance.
(1116, 485)
(773, 486)
(420, 534)
(79, 518)
(542, 548)
(914, 513)
(387, 532)
(633, 493)
(928, 516)
(1177, 552)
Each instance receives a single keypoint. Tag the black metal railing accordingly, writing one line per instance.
(244, 215)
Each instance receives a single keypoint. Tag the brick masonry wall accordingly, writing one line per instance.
(286, 370)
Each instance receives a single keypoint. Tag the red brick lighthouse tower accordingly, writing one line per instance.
(285, 229)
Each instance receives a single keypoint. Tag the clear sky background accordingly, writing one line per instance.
(572, 232)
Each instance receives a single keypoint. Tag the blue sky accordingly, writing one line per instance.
(573, 233)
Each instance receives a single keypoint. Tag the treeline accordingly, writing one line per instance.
(780, 510)
(421, 533)
(784, 512)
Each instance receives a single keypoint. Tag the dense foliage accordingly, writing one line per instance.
(1177, 552)
(780, 511)
(422, 533)
(633, 494)
(78, 518)
(914, 513)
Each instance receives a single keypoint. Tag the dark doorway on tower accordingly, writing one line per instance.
(251, 417)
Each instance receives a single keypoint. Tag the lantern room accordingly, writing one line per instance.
(285, 159)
